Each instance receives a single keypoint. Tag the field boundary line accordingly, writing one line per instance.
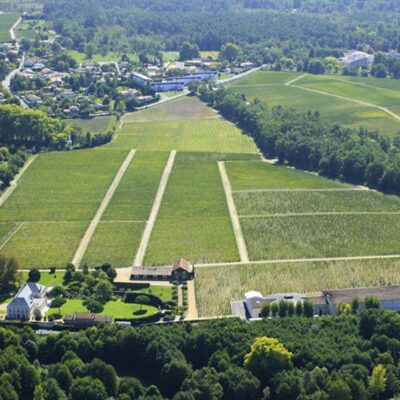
(361, 102)
(11, 234)
(14, 183)
(354, 189)
(237, 229)
(300, 260)
(295, 80)
(312, 214)
(84, 243)
(141, 251)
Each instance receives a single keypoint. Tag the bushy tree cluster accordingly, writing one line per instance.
(348, 356)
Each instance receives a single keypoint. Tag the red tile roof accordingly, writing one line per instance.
(183, 264)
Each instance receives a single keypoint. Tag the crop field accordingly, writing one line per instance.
(210, 135)
(55, 200)
(371, 94)
(6, 22)
(271, 88)
(63, 186)
(185, 108)
(313, 236)
(93, 125)
(216, 286)
(193, 221)
(261, 175)
(352, 201)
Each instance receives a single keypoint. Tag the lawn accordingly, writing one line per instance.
(184, 108)
(193, 221)
(163, 292)
(315, 236)
(81, 58)
(264, 203)
(6, 22)
(115, 243)
(135, 194)
(46, 278)
(261, 175)
(371, 94)
(63, 186)
(45, 244)
(270, 88)
(216, 286)
(94, 125)
(211, 135)
(117, 309)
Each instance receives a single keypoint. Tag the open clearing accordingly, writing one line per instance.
(273, 88)
(94, 125)
(6, 22)
(217, 286)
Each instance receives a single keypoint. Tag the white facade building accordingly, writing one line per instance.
(29, 298)
(357, 59)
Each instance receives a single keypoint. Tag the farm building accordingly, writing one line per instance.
(325, 303)
(357, 59)
(86, 319)
(180, 270)
(30, 297)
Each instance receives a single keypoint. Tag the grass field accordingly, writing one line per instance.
(6, 22)
(93, 125)
(214, 135)
(270, 87)
(217, 286)
(193, 221)
(261, 175)
(184, 108)
(111, 56)
(46, 278)
(117, 309)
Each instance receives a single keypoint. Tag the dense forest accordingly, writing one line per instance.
(305, 141)
(348, 356)
(293, 27)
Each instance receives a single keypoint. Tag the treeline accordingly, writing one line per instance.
(259, 27)
(348, 356)
(305, 141)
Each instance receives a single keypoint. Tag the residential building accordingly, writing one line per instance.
(30, 297)
(168, 86)
(140, 78)
(357, 59)
(180, 270)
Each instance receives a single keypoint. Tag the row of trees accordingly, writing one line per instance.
(305, 141)
(349, 356)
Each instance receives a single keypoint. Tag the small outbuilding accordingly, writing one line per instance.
(180, 270)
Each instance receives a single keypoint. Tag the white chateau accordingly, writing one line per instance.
(30, 297)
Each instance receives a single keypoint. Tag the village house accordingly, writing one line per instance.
(180, 270)
(31, 298)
